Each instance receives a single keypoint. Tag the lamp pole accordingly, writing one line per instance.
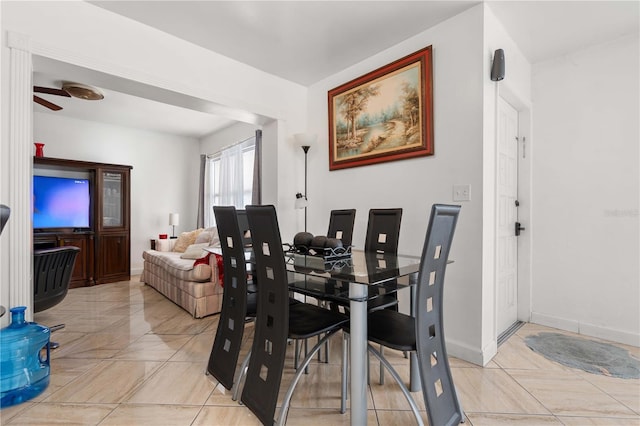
(304, 141)
(305, 148)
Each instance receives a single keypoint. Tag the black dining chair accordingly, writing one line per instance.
(277, 321)
(424, 333)
(383, 235)
(341, 225)
(382, 239)
(52, 273)
(238, 304)
(5, 212)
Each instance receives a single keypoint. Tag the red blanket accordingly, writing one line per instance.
(205, 260)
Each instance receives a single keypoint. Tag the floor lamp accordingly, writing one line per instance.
(304, 141)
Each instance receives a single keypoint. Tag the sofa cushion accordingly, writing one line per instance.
(186, 239)
(182, 269)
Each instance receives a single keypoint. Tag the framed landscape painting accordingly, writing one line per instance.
(385, 115)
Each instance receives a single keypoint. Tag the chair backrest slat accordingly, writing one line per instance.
(341, 225)
(52, 273)
(435, 374)
(228, 340)
(264, 374)
(383, 231)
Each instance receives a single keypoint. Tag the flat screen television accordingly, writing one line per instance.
(61, 202)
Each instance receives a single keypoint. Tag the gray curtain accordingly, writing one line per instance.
(200, 218)
(256, 195)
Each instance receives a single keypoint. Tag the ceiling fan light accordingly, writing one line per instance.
(82, 91)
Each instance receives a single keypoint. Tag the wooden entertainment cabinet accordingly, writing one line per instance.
(105, 246)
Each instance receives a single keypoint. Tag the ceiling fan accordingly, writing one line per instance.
(76, 90)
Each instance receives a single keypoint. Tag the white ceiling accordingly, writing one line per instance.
(306, 41)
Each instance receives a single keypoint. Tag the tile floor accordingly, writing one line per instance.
(128, 356)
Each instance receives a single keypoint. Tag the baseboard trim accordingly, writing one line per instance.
(470, 354)
(587, 329)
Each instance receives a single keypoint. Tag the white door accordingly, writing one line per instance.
(507, 273)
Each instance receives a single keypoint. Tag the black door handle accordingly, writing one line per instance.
(519, 228)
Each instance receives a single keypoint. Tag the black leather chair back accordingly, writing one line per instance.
(383, 231)
(243, 224)
(341, 225)
(5, 212)
(435, 374)
(52, 272)
(228, 340)
(264, 374)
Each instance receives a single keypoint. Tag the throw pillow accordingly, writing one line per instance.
(215, 238)
(185, 240)
(194, 251)
(203, 237)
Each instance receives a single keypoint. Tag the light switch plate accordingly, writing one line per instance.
(462, 192)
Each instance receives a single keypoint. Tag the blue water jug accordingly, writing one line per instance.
(24, 359)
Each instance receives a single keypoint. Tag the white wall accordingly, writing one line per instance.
(416, 184)
(164, 178)
(586, 192)
(139, 53)
(214, 142)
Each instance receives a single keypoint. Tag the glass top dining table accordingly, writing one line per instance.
(350, 278)
(367, 268)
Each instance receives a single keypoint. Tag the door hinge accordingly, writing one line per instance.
(524, 145)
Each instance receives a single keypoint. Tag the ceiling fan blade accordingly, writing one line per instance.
(46, 103)
(50, 91)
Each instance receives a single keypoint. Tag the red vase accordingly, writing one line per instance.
(39, 149)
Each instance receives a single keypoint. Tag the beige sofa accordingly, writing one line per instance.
(182, 272)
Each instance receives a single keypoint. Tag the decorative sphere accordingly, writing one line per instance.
(333, 243)
(318, 241)
(302, 239)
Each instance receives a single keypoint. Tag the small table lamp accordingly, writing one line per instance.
(174, 220)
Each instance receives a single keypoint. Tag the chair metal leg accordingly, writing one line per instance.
(305, 363)
(306, 351)
(398, 380)
(235, 390)
(52, 344)
(381, 367)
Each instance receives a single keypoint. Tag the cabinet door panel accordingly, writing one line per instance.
(83, 269)
(114, 257)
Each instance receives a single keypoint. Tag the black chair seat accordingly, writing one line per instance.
(306, 320)
(392, 329)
